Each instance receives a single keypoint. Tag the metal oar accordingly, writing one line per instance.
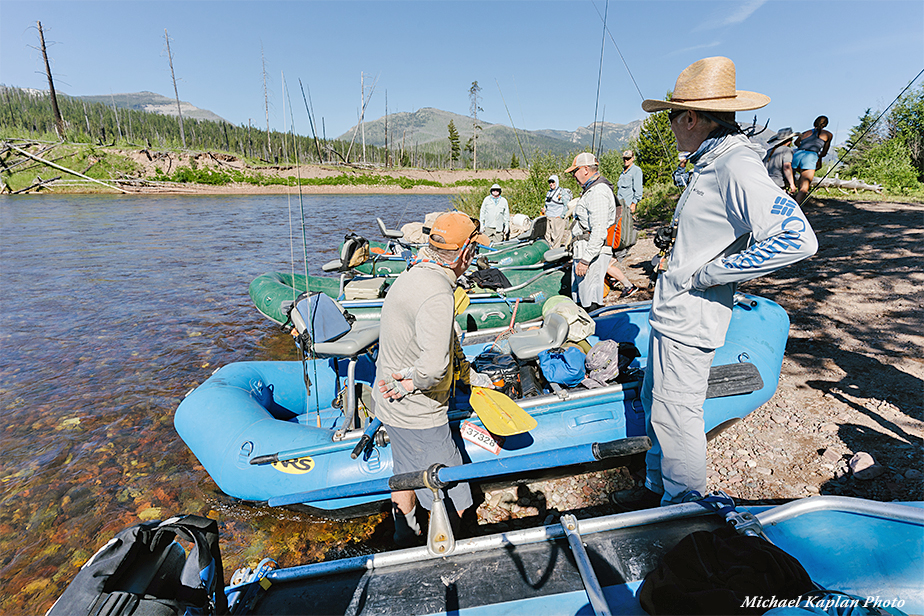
(439, 476)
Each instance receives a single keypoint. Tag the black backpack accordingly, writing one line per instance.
(142, 571)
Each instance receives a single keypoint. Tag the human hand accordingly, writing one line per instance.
(396, 387)
(580, 268)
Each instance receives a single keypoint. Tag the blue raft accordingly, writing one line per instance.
(228, 422)
(864, 553)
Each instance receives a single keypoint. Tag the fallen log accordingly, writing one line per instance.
(38, 184)
(853, 184)
(65, 169)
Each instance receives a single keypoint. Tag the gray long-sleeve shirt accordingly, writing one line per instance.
(417, 333)
(595, 212)
(733, 225)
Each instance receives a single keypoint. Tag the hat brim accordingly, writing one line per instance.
(742, 101)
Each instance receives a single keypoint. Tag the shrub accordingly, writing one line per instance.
(889, 163)
(658, 202)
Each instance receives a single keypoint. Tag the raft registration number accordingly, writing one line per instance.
(298, 466)
(479, 436)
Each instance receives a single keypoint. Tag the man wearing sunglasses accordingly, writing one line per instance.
(594, 212)
(417, 360)
(731, 224)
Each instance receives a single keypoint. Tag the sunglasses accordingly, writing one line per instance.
(676, 113)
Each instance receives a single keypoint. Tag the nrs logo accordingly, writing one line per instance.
(298, 466)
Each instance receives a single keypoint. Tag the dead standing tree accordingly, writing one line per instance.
(59, 121)
(175, 91)
(474, 94)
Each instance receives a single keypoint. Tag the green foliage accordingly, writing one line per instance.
(862, 137)
(906, 122)
(454, 149)
(524, 196)
(658, 202)
(889, 163)
(656, 149)
(514, 162)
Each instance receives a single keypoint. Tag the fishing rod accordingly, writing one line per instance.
(310, 112)
(301, 205)
(631, 76)
(593, 140)
(511, 123)
(840, 159)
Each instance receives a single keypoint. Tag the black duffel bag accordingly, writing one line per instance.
(143, 571)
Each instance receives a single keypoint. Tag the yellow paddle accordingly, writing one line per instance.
(499, 414)
(462, 300)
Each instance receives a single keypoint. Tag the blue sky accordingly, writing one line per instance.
(810, 57)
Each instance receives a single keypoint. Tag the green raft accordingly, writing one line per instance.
(274, 292)
(517, 254)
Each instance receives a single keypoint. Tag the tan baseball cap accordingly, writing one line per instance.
(584, 159)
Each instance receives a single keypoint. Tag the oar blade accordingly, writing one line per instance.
(499, 414)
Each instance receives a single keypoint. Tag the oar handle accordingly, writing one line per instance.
(267, 459)
(370, 431)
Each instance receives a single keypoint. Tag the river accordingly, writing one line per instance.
(111, 310)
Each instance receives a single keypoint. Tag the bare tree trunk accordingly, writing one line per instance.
(266, 102)
(115, 111)
(175, 91)
(362, 113)
(386, 128)
(59, 121)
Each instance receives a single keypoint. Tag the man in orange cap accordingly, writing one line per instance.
(416, 363)
(731, 224)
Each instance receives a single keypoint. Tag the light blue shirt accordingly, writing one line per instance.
(629, 186)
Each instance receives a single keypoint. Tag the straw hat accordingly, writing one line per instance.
(708, 85)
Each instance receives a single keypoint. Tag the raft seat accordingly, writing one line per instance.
(350, 346)
(552, 334)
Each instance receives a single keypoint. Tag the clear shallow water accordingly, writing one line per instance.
(111, 309)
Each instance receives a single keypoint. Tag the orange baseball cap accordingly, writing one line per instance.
(456, 229)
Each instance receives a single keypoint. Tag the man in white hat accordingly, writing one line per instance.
(494, 215)
(594, 212)
(731, 224)
(779, 159)
(555, 210)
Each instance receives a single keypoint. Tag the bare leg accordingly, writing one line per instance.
(614, 270)
(403, 509)
(805, 183)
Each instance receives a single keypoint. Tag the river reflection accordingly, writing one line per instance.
(111, 310)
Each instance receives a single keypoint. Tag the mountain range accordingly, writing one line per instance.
(429, 125)
(153, 103)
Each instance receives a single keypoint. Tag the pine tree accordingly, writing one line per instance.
(454, 148)
(656, 149)
(514, 162)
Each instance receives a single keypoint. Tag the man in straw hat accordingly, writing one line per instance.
(731, 224)
(417, 360)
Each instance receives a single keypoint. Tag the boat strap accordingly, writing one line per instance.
(721, 503)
